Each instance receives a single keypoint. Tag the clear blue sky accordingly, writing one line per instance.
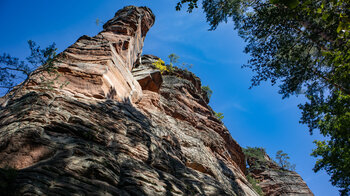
(257, 117)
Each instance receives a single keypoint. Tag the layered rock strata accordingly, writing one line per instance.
(99, 66)
(274, 180)
(117, 126)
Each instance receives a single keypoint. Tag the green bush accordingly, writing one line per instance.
(219, 115)
(255, 152)
(255, 185)
(173, 62)
(207, 91)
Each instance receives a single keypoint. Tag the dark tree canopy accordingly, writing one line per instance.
(303, 46)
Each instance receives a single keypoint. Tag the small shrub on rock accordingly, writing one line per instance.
(255, 185)
(207, 91)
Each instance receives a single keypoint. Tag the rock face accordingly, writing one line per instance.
(275, 180)
(119, 127)
(100, 66)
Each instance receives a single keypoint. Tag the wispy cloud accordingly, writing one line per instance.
(231, 106)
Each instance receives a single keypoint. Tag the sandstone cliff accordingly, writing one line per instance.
(118, 127)
(273, 179)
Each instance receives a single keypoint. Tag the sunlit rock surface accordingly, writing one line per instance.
(117, 126)
(275, 180)
(100, 66)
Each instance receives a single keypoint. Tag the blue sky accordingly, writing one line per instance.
(256, 117)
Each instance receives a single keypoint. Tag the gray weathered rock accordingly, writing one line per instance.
(274, 180)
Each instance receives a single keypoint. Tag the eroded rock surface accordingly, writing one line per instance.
(119, 127)
(148, 77)
(274, 180)
(100, 66)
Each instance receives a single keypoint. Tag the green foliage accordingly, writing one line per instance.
(207, 91)
(219, 115)
(258, 154)
(255, 185)
(288, 3)
(335, 160)
(303, 46)
(173, 58)
(259, 158)
(282, 160)
(255, 152)
(12, 70)
(191, 4)
(173, 62)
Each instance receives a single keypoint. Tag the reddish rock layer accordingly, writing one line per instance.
(100, 66)
(119, 127)
(111, 131)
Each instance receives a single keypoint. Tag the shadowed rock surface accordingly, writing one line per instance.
(119, 127)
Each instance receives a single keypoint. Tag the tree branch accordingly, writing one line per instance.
(15, 69)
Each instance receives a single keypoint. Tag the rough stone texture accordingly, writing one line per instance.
(149, 78)
(187, 120)
(100, 66)
(119, 127)
(274, 180)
